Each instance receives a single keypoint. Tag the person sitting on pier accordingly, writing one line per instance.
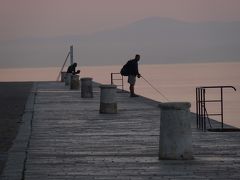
(72, 69)
(130, 69)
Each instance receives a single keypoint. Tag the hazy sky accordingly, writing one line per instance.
(44, 18)
(50, 18)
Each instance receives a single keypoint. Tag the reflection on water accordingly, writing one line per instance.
(176, 81)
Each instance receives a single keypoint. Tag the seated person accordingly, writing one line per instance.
(72, 69)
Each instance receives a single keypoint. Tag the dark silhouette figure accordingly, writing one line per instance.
(72, 69)
(130, 69)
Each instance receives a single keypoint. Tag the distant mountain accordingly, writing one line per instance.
(157, 40)
(164, 40)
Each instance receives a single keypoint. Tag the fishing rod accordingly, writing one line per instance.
(59, 74)
(155, 89)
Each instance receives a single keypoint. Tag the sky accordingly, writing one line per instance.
(22, 19)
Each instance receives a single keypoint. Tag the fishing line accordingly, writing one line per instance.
(155, 89)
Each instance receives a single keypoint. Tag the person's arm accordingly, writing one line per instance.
(69, 70)
(77, 72)
(136, 71)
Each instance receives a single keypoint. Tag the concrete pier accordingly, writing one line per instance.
(63, 137)
(74, 82)
(175, 131)
(108, 101)
(86, 87)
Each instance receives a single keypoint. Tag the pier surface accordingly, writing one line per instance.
(63, 136)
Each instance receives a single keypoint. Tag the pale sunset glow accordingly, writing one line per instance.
(38, 33)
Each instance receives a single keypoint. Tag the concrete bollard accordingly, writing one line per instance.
(74, 82)
(86, 88)
(108, 103)
(63, 75)
(175, 131)
(68, 79)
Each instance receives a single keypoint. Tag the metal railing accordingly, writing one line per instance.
(201, 112)
(119, 78)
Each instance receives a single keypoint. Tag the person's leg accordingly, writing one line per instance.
(131, 81)
(131, 88)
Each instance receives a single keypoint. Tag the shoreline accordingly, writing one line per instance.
(13, 98)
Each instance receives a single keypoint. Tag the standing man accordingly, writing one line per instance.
(130, 69)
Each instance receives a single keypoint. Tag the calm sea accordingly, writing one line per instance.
(177, 82)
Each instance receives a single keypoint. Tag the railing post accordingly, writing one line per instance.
(198, 91)
(204, 109)
(222, 106)
(200, 123)
(111, 78)
(197, 107)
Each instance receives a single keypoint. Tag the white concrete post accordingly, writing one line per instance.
(68, 79)
(86, 87)
(63, 75)
(108, 103)
(175, 131)
(71, 55)
(74, 82)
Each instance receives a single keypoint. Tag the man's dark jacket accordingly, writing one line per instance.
(71, 69)
(131, 67)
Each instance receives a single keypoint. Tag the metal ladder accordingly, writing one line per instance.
(201, 112)
(118, 78)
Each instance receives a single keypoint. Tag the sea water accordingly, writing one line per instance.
(175, 82)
